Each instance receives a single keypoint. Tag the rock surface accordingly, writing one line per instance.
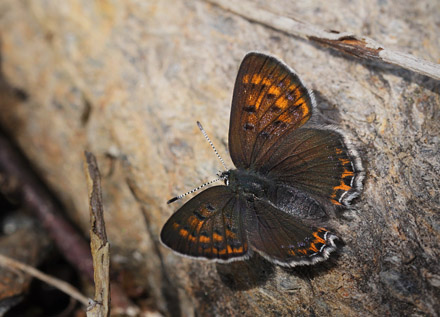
(127, 80)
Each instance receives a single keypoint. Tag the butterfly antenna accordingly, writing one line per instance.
(221, 176)
(193, 190)
(212, 145)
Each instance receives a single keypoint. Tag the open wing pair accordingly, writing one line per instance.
(304, 166)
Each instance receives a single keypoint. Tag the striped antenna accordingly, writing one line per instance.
(221, 176)
(193, 190)
(212, 145)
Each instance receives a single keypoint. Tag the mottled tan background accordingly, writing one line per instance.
(127, 80)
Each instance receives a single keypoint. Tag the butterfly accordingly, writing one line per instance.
(287, 175)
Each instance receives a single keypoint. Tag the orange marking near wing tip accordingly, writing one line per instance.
(305, 110)
(300, 101)
(282, 102)
(183, 233)
(298, 94)
(338, 151)
(267, 82)
(175, 226)
(292, 87)
(291, 252)
(246, 79)
(274, 90)
(256, 79)
(305, 115)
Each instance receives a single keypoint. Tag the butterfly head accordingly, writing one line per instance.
(225, 177)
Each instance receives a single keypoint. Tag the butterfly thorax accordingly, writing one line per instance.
(249, 183)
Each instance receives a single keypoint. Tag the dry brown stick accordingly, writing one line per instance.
(65, 287)
(359, 46)
(98, 240)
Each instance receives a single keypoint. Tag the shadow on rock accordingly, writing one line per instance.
(243, 275)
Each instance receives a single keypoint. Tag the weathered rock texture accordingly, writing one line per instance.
(128, 79)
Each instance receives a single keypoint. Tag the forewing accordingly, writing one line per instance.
(208, 226)
(284, 239)
(269, 101)
(319, 162)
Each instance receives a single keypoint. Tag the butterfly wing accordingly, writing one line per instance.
(269, 101)
(318, 162)
(208, 226)
(284, 239)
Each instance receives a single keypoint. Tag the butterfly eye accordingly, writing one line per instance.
(225, 177)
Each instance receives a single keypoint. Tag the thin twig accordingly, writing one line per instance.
(11, 264)
(98, 239)
(349, 43)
